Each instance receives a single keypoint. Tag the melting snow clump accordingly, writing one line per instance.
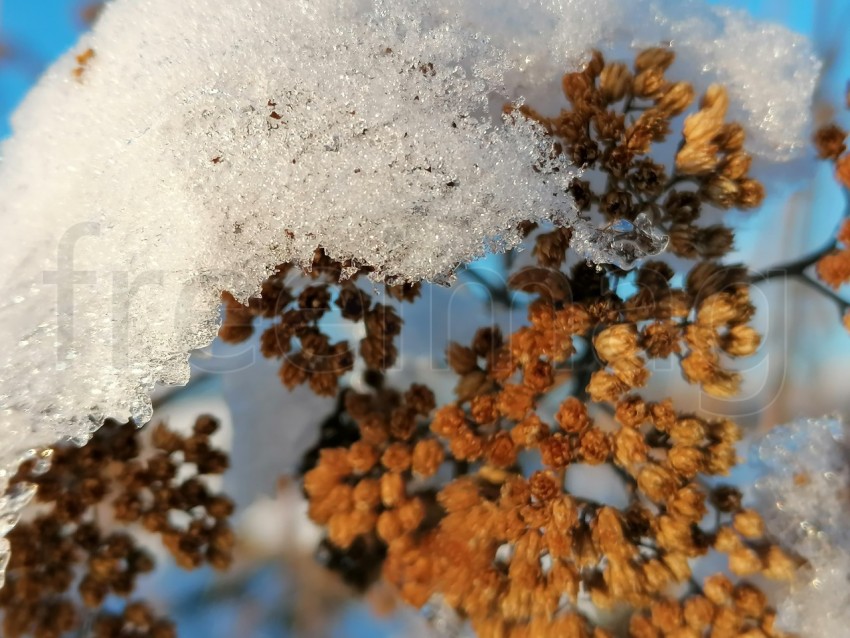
(803, 498)
(200, 143)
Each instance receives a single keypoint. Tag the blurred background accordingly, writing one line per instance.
(278, 589)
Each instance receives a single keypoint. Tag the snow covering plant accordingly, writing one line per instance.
(187, 148)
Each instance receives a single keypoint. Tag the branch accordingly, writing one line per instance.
(797, 269)
(500, 294)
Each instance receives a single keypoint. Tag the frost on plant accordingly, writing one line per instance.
(186, 148)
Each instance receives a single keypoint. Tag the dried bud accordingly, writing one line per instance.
(549, 284)
(529, 431)
(396, 457)
(749, 600)
(615, 81)
(705, 125)
(648, 177)
(749, 524)
(572, 415)
(461, 359)
(556, 451)
(714, 241)
(515, 401)
(471, 385)
(741, 341)
(649, 83)
(718, 589)
(594, 447)
(661, 339)
(389, 526)
(617, 204)
(605, 386)
(392, 489)
(726, 499)
(576, 87)
(697, 612)
(656, 482)
(550, 249)
(683, 207)
(695, 158)
(500, 451)
(484, 409)
(238, 320)
(654, 58)
(778, 566)
(744, 561)
(609, 126)
(447, 421)
(834, 268)
(687, 461)
(830, 141)
(751, 193)
(629, 447)
(676, 98)
(632, 411)
(427, 457)
(731, 137)
(736, 165)
(544, 486)
(616, 342)
(595, 65)
(722, 191)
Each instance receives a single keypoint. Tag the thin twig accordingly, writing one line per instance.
(499, 294)
(794, 268)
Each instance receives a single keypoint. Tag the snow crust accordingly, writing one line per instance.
(206, 141)
(804, 499)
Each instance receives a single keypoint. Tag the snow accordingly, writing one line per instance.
(206, 141)
(803, 497)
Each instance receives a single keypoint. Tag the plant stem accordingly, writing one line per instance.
(794, 268)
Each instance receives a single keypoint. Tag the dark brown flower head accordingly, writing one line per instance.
(63, 549)
(830, 141)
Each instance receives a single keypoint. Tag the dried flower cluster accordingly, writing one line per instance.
(69, 557)
(296, 316)
(466, 502)
(617, 117)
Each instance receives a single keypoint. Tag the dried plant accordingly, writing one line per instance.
(466, 503)
(450, 496)
(79, 548)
